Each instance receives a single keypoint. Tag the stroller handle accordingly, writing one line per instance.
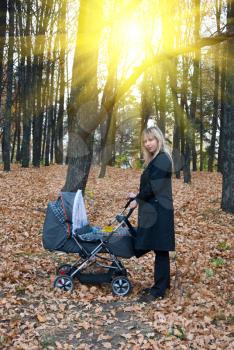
(128, 202)
(129, 213)
(119, 218)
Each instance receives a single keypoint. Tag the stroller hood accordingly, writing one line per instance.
(57, 226)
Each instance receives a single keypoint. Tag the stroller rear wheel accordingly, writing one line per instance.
(121, 285)
(64, 282)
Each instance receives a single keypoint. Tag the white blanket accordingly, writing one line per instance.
(79, 216)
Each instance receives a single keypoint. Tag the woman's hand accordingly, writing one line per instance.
(133, 204)
(131, 195)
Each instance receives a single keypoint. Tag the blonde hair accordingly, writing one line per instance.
(155, 132)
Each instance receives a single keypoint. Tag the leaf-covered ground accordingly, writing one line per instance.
(197, 313)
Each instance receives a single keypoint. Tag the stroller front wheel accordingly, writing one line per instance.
(64, 282)
(121, 286)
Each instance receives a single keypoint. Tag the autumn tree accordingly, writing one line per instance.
(228, 121)
(9, 89)
(3, 22)
(83, 105)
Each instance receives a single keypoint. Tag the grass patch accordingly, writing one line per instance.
(218, 262)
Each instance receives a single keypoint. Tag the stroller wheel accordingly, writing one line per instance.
(121, 286)
(64, 282)
(64, 269)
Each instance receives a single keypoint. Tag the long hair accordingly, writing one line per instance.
(155, 132)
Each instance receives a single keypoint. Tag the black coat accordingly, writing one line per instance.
(155, 213)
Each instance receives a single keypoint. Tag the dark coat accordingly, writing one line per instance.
(155, 213)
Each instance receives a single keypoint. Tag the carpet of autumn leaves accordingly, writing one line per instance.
(197, 313)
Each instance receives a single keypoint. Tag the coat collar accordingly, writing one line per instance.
(160, 152)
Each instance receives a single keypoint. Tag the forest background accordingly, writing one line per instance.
(79, 80)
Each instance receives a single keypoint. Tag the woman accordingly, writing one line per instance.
(156, 214)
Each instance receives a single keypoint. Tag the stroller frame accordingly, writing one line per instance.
(116, 273)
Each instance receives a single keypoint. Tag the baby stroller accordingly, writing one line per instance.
(90, 243)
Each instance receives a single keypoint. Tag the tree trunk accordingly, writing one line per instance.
(17, 134)
(185, 151)
(50, 70)
(105, 152)
(218, 7)
(111, 136)
(222, 106)
(227, 203)
(162, 100)
(187, 161)
(39, 65)
(62, 61)
(178, 112)
(106, 147)
(83, 104)
(18, 148)
(3, 19)
(7, 119)
(215, 113)
(146, 101)
(54, 121)
(27, 100)
(59, 124)
(48, 135)
(184, 106)
(201, 123)
(190, 134)
(109, 91)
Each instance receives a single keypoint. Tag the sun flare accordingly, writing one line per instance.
(134, 36)
(133, 33)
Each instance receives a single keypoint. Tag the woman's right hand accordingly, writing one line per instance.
(131, 195)
(133, 204)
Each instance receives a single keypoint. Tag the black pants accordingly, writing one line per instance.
(161, 273)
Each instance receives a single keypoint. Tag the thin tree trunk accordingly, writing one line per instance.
(17, 133)
(7, 119)
(59, 124)
(62, 61)
(201, 123)
(112, 135)
(185, 120)
(218, 7)
(44, 134)
(177, 118)
(183, 104)
(105, 153)
(48, 135)
(27, 100)
(190, 134)
(39, 66)
(21, 72)
(50, 71)
(162, 100)
(3, 19)
(215, 114)
(109, 90)
(146, 101)
(222, 109)
(54, 122)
